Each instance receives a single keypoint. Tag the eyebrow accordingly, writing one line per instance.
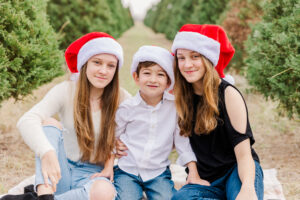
(102, 59)
(193, 52)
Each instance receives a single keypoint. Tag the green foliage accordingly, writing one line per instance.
(274, 54)
(169, 15)
(236, 20)
(29, 54)
(74, 18)
(208, 11)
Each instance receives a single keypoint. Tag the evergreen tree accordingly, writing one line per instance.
(29, 55)
(74, 18)
(274, 54)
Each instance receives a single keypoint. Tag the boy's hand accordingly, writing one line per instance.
(106, 172)
(121, 149)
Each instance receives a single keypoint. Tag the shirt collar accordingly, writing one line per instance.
(137, 99)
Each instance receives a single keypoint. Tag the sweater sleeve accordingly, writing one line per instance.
(30, 124)
(183, 148)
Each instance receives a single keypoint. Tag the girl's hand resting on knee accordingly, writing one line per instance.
(106, 172)
(51, 169)
(247, 194)
(121, 149)
(193, 176)
(192, 179)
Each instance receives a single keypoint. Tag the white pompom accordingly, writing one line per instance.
(74, 76)
(229, 79)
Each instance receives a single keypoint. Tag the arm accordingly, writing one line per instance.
(187, 158)
(237, 113)
(121, 121)
(30, 127)
(30, 124)
(246, 170)
(108, 170)
(193, 176)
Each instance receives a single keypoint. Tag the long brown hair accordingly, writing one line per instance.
(83, 122)
(207, 109)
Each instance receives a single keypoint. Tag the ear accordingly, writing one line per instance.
(169, 82)
(135, 77)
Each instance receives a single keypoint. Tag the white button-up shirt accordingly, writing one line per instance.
(149, 134)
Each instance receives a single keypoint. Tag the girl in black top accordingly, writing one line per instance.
(213, 114)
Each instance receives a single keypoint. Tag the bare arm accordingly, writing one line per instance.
(236, 110)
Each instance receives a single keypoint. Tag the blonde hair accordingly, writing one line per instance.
(83, 122)
(207, 109)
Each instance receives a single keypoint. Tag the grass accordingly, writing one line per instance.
(277, 138)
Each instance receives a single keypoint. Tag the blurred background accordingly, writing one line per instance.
(266, 66)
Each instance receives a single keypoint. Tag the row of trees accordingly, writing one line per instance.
(169, 15)
(265, 34)
(34, 35)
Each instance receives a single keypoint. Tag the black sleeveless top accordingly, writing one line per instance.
(215, 151)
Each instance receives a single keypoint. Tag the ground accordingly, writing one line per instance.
(277, 137)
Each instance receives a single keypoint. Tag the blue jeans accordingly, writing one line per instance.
(130, 187)
(226, 187)
(75, 182)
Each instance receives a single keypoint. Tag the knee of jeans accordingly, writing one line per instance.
(179, 195)
(52, 122)
(102, 189)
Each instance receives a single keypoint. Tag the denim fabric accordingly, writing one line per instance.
(226, 187)
(131, 187)
(75, 182)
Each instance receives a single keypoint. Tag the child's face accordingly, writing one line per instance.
(101, 69)
(190, 65)
(153, 81)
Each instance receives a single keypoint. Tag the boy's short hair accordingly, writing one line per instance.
(144, 64)
(147, 64)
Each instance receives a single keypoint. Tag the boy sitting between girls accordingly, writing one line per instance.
(147, 125)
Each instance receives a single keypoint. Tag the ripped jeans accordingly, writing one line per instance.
(75, 182)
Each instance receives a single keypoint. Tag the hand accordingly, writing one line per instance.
(106, 172)
(51, 169)
(195, 179)
(247, 194)
(121, 149)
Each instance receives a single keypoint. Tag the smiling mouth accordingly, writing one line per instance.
(189, 72)
(152, 86)
(101, 78)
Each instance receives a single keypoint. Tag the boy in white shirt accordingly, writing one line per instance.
(147, 125)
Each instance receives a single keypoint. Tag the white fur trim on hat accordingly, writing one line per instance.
(98, 46)
(229, 79)
(159, 55)
(197, 42)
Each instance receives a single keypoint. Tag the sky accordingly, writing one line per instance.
(139, 8)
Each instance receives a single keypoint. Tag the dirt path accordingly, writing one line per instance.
(277, 138)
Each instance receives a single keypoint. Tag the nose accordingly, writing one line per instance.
(102, 69)
(153, 78)
(188, 63)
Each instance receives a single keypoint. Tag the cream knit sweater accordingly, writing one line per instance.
(60, 99)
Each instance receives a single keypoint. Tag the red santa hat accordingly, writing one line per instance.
(210, 41)
(156, 54)
(82, 49)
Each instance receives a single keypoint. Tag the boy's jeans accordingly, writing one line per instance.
(226, 187)
(75, 182)
(130, 187)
